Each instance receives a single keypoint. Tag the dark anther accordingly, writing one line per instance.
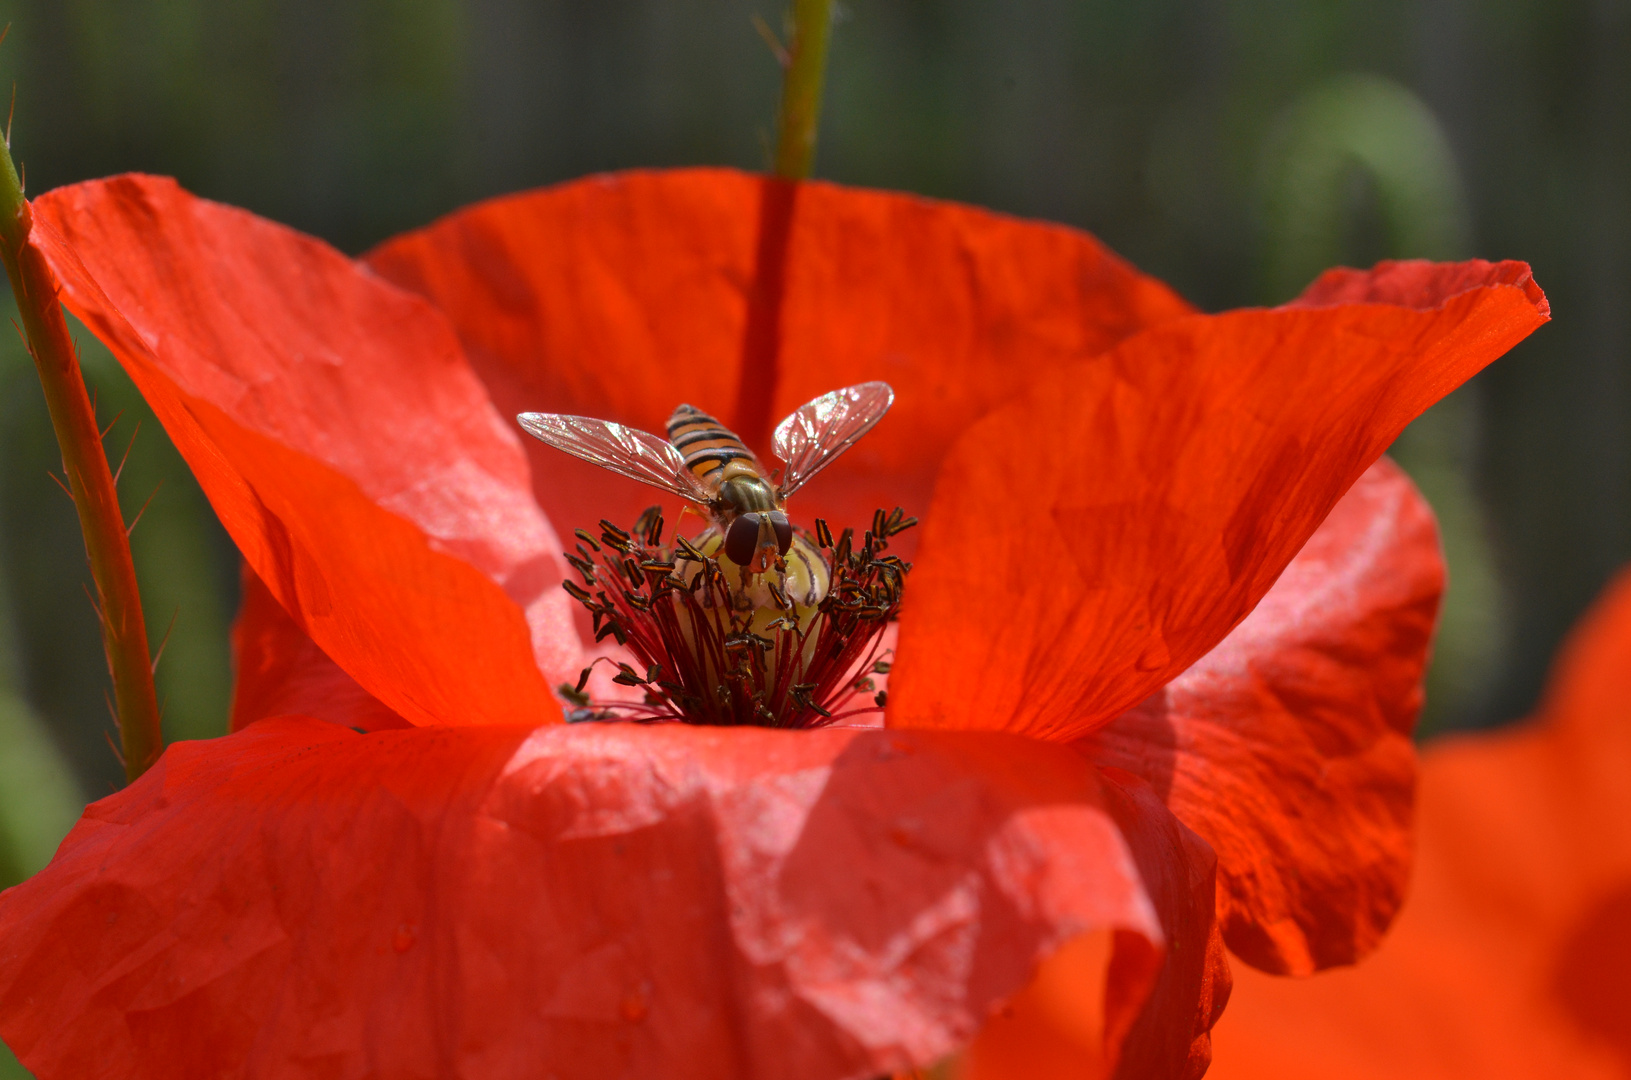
(897, 523)
(802, 693)
(823, 533)
(649, 525)
(881, 698)
(576, 591)
(586, 538)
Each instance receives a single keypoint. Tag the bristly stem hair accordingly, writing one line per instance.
(90, 481)
(803, 72)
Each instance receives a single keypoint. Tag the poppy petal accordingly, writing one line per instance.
(576, 900)
(1288, 746)
(1171, 1039)
(340, 437)
(621, 296)
(1090, 542)
(281, 672)
(1509, 958)
(1416, 283)
(1053, 1030)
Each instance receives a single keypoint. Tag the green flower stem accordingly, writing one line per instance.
(90, 481)
(801, 88)
(803, 68)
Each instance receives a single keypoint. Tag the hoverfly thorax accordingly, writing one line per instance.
(752, 621)
(749, 514)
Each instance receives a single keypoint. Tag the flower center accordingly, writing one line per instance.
(793, 646)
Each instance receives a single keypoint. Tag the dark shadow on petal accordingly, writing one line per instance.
(762, 336)
(1593, 976)
(1143, 740)
(1171, 1039)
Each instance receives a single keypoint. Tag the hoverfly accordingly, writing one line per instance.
(703, 462)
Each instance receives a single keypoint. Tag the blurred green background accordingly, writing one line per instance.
(1232, 147)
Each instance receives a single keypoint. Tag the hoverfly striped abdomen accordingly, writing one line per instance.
(706, 445)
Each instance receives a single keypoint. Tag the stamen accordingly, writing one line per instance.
(794, 646)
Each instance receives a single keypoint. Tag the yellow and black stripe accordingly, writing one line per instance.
(706, 445)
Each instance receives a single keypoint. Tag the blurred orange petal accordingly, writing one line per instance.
(1510, 956)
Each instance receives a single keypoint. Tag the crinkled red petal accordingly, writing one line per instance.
(1171, 1040)
(1509, 959)
(340, 437)
(1053, 1030)
(621, 296)
(575, 901)
(1091, 541)
(1417, 283)
(1288, 746)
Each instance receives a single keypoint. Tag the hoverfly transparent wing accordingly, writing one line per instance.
(816, 433)
(638, 455)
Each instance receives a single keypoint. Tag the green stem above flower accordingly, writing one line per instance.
(804, 71)
(89, 480)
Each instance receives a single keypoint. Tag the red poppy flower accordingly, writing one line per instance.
(1143, 702)
(1510, 957)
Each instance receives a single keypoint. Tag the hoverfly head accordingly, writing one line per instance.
(756, 540)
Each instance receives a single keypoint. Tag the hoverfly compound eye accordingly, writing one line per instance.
(784, 532)
(742, 539)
